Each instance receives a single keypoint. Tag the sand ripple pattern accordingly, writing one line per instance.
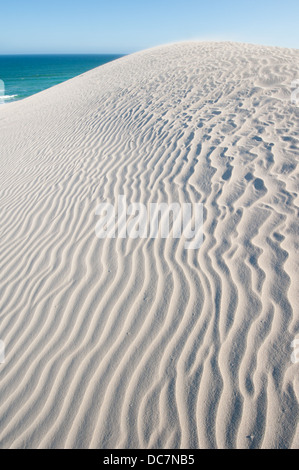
(122, 343)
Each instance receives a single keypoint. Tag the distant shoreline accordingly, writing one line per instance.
(25, 75)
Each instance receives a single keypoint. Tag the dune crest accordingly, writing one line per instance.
(122, 343)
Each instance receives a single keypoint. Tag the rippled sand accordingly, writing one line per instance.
(122, 343)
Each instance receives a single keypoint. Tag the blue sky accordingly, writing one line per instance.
(123, 26)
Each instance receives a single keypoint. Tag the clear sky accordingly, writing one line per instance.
(123, 26)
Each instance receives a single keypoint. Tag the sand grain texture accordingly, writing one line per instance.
(141, 343)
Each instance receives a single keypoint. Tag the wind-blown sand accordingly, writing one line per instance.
(122, 343)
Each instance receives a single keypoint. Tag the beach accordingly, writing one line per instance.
(139, 342)
(24, 75)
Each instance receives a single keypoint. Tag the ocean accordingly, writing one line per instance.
(24, 75)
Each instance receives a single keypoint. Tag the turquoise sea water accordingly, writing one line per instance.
(25, 75)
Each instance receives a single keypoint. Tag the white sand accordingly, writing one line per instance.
(141, 343)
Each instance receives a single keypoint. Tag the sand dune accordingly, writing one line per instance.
(122, 343)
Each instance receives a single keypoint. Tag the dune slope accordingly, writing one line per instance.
(123, 343)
